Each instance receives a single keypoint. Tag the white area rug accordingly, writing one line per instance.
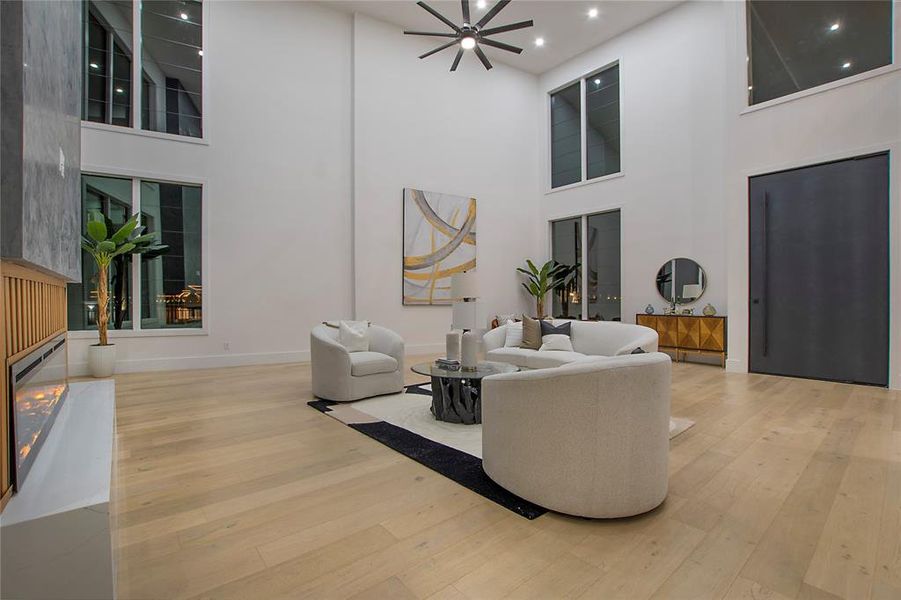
(411, 412)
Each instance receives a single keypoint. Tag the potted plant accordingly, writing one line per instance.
(550, 277)
(105, 248)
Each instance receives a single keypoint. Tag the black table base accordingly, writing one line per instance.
(456, 400)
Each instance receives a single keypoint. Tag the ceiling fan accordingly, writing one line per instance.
(469, 36)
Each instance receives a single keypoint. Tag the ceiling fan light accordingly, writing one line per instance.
(468, 42)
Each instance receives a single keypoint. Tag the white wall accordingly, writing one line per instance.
(277, 183)
(690, 144)
(672, 119)
(472, 133)
(842, 122)
(281, 193)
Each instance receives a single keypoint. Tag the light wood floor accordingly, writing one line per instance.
(230, 486)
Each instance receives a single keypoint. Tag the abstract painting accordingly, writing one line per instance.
(439, 240)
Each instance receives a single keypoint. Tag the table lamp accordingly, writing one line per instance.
(464, 292)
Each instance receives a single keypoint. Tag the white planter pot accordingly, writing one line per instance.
(102, 360)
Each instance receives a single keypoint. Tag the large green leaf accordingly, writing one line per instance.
(126, 229)
(97, 230)
(106, 246)
(123, 249)
(532, 266)
(143, 239)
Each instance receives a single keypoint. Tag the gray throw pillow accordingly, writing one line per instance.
(548, 328)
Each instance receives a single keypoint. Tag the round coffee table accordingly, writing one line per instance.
(457, 395)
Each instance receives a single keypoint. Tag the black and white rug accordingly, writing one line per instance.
(405, 423)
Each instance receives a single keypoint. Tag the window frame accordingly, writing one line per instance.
(583, 232)
(583, 131)
(136, 329)
(137, 73)
(745, 80)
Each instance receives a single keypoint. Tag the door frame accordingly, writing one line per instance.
(891, 263)
(893, 149)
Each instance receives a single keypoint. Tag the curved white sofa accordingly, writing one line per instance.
(344, 376)
(589, 439)
(589, 338)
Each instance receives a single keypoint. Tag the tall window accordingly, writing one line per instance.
(566, 249)
(171, 283)
(566, 136)
(172, 57)
(107, 69)
(168, 68)
(112, 198)
(585, 128)
(603, 273)
(594, 291)
(168, 288)
(795, 46)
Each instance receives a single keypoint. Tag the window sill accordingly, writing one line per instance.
(143, 333)
(823, 88)
(144, 133)
(579, 184)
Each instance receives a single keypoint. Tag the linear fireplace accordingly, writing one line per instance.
(38, 389)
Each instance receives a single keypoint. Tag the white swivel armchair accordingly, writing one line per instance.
(345, 376)
(589, 438)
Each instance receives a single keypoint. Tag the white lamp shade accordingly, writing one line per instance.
(691, 291)
(464, 285)
(466, 315)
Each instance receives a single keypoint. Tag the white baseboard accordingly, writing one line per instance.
(735, 365)
(180, 363)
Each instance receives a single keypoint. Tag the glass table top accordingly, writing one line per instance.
(483, 369)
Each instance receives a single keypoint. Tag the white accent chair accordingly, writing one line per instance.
(589, 338)
(589, 439)
(344, 376)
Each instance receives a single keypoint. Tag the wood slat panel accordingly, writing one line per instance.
(33, 310)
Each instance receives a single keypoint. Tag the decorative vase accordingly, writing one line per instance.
(709, 310)
(102, 360)
(452, 341)
(649, 310)
(470, 351)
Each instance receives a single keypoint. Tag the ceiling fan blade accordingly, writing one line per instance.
(491, 13)
(465, 10)
(439, 16)
(503, 28)
(457, 59)
(482, 58)
(439, 49)
(430, 33)
(500, 45)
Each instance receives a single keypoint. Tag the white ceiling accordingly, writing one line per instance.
(564, 25)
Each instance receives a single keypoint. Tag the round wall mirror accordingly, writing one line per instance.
(681, 281)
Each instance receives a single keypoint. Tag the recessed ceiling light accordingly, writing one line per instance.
(120, 91)
(592, 13)
(95, 66)
(468, 43)
(847, 65)
(481, 4)
(184, 16)
(834, 26)
(597, 82)
(539, 42)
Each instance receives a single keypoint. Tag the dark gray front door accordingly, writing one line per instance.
(819, 271)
